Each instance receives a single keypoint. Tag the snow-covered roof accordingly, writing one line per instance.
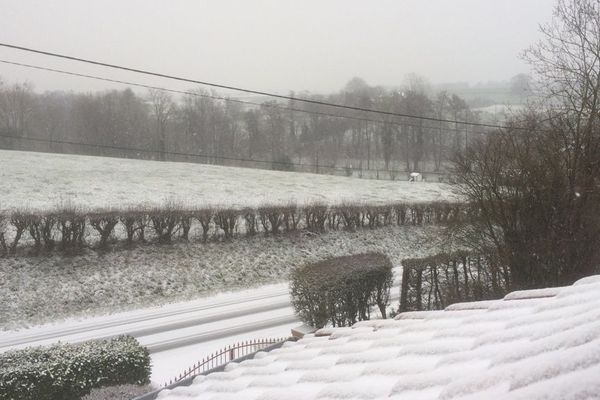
(541, 344)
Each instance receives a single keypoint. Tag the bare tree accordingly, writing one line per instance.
(537, 185)
(16, 108)
(162, 108)
(520, 85)
(441, 106)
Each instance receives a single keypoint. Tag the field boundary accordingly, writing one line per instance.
(69, 229)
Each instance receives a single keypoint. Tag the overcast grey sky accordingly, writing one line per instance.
(275, 45)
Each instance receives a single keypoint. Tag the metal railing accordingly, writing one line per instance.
(224, 356)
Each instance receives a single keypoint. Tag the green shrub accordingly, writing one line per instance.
(70, 371)
(341, 290)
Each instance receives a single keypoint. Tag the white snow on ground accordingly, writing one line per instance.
(41, 289)
(43, 181)
(180, 334)
(36, 290)
(151, 320)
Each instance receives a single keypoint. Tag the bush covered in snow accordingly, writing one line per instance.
(70, 371)
(341, 290)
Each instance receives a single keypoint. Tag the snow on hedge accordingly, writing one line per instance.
(42, 181)
(69, 371)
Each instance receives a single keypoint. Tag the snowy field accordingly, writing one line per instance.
(43, 289)
(43, 181)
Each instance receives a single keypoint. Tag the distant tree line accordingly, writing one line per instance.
(230, 133)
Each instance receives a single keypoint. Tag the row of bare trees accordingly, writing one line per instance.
(282, 135)
(69, 228)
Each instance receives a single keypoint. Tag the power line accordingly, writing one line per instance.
(197, 155)
(228, 99)
(256, 92)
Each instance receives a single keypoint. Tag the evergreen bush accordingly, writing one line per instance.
(70, 371)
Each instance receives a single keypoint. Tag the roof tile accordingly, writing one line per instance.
(532, 345)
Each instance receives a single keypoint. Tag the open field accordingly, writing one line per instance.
(50, 287)
(42, 289)
(41, 181)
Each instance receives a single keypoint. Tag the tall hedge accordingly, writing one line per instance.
(341, 290)
(434, 282)
(70, 371)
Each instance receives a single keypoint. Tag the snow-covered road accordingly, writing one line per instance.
(154, 327)
(195, 325)
(159, 322)
(179, 334)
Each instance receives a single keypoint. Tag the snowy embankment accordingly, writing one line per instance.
(41, 181)
(42, 289)
(181, 334)
(199, 327)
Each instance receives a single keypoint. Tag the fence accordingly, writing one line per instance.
(224, 356)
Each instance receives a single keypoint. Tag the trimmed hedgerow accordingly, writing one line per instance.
(227, 220)
(165, 222)
(3, 230)
(104, 223)
(341, 290)
(71, 224)
(70, 371)
(69, 228)
(315, 216)
(204, 216)
(271, 219)
(134, 223)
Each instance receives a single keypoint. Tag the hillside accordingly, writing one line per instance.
(41, 181)
(43, 289)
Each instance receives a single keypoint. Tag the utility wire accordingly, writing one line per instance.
(228, 99)
(197, 155)
(256, 92)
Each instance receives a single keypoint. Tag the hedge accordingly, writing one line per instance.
(70, 371)
(433, 283)
(73, 229)
(341, 290)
